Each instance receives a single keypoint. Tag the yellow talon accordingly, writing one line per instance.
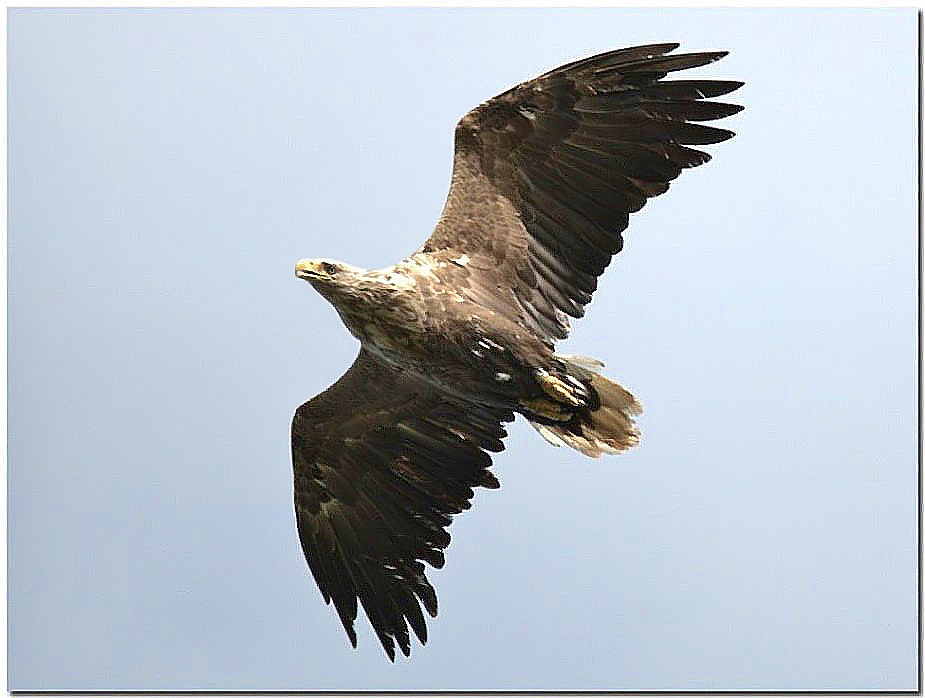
(558, 389)
(546, 408)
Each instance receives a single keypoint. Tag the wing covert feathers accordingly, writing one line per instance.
(381, 464)
(546, 174)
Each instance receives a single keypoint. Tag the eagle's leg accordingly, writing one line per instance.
(546, 408)
(582, 409)
(565, 389)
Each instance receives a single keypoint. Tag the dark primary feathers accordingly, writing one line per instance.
(382, 461)
(545, 176)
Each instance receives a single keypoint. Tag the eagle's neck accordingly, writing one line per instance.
(377, 307)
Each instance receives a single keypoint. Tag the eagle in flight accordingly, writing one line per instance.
(460, 336)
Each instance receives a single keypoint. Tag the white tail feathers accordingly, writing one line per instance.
(611, 429)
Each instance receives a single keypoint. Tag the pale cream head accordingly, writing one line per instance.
(325, 270)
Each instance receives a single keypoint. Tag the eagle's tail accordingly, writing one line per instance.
(594, 420)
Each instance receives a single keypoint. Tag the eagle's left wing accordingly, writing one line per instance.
(382, 461)
(546, 174)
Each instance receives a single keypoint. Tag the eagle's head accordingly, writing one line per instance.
(321, 272)
(329, 277)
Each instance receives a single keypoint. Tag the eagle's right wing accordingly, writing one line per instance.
(382, 461)
(546, 174)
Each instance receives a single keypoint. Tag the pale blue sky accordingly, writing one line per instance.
(167, 168)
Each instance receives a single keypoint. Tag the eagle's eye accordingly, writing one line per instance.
(328, 268)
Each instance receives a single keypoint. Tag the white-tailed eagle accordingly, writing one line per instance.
(460, 336)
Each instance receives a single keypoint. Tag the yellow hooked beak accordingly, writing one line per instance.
(314, 269)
